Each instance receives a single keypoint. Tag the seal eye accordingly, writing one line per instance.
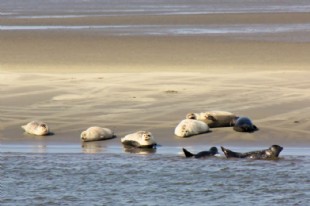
(43, 125)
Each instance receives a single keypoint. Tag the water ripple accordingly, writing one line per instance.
(101, 179)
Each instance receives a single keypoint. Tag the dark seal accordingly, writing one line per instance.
(213, 151)
(244, 124)
(268, 154)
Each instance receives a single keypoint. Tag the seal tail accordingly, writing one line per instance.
(187, 153)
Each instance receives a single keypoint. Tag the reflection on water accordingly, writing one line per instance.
(39, 148)
(141, 151)
(92, 147)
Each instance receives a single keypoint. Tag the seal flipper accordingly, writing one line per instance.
(187, 153)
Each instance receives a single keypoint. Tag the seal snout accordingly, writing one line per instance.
(147, 137)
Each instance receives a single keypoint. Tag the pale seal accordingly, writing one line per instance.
(244, 124)
(140, 139)
(214, 118)
(190, 127)
(36, 128)
(96, 134)
(269, 154)
(213, 151)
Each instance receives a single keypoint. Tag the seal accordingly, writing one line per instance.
(140, 139)
(214, 118)
(36, 128)
(244, 124)
(190, 127)
(96, 133)
(269, 154)
(203, 154)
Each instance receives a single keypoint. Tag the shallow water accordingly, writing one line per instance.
(111, 178)
(61, 9)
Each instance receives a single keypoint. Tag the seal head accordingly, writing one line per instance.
(244, 124)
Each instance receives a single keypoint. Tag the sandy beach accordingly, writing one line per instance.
(276, 101)
(76, 78)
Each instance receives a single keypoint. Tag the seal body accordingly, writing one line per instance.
(190, 127)
(214, 118)
(203, 154)
(268, 154)
(36, 128)
(140, 139)
(96, 134)
(244, 124)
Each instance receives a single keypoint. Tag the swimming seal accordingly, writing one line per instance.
(190, 127)
(214, 118)
(268, 154)
(244, 124)
(203, 154)
(140, 139)
(36, 128)
(96, 134)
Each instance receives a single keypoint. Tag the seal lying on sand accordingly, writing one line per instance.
(213, 151)
(244, 124)
(189, 127)
(271, 153)
(140, 139)
(36, 128)
(214, 118)
(96, 133)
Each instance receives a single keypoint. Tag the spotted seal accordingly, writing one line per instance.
(268, 154)
(214, 118)
(140, 139)
(96, 133)
(190, 127)
(37, 128)
(203, 154)
(244, 124)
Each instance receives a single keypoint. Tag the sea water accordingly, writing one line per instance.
(297, 31)
(114, 177)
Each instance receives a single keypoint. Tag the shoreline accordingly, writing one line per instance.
(114, 149)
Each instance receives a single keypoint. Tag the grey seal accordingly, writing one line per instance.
(190, 127)
(244, 124)
(96, 133)
(37, 128)
(140, 139)
(214, 118)
(203, 154)
(267, 154)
